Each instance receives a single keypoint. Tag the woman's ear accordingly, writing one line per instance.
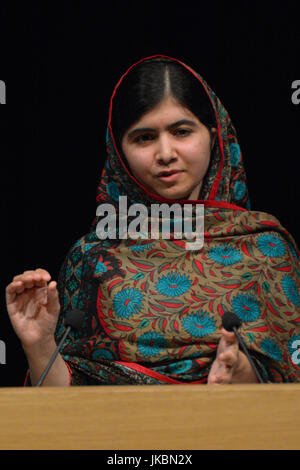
(213, 135)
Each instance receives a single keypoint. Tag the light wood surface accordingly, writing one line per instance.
(147, 417)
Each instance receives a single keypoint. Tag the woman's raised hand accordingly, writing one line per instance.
(33, 307)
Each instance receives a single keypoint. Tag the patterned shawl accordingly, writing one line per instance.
(153, 309)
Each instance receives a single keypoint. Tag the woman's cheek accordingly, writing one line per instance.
(139, 163)
(198, 157)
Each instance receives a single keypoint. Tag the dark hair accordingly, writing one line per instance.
(147, 84)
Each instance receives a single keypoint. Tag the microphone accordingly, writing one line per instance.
(231, 322)
(74, 319)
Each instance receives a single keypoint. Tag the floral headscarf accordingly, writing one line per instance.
(225, 180)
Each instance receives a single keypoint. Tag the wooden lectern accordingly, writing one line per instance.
(151, 417)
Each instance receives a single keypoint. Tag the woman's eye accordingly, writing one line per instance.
(182, 132)
(140, 139)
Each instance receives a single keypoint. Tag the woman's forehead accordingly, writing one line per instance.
(168, 111)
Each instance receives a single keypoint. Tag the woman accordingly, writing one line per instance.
(153, 309)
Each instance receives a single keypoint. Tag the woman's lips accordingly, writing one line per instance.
(169, 176)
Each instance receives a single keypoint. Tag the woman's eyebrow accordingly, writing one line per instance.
(182, 122)
(170, 126)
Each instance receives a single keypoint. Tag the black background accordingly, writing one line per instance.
(60, 62)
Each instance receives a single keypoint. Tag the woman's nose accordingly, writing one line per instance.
(165, 153)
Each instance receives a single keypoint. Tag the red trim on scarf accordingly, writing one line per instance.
(214, 189)
(70, 374)
(157, 375)
(26, 378)
(223, 204)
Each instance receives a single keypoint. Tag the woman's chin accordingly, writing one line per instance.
(177, 196)
(172, 196)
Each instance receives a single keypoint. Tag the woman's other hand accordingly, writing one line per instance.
(33, 307)
(231, 364)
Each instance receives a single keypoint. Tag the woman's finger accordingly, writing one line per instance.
(12, 290)
(229, 357)
(38, 274)
(32, 280)
(52, 298)
(229, 336)
(45, 274)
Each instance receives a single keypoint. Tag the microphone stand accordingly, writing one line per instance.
(53, 357)
(242, 344)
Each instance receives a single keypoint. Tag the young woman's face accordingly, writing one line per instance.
(168, 151)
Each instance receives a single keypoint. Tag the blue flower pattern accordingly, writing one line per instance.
(291, 289)
(235, 154)
(140, 248)
(225, 255)
(199, 324)
(113, 191)
(127, 302)
(100, 268)
(180, 366)
(102, 354)
(151, 344)
(239, 190)
(173, 284)
(246, 307)
(271, 245)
